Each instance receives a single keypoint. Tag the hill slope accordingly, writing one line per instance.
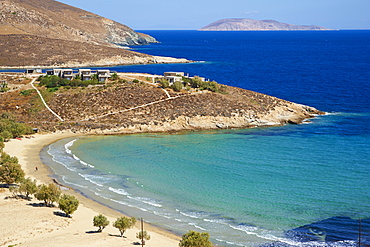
(52, 19)
(244, 24)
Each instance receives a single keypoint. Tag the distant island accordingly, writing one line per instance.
(244, 24)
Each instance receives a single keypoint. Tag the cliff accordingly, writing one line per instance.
(244, 24)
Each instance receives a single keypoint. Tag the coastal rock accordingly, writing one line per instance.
(244, 24)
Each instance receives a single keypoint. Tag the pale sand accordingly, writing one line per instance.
(24, 223)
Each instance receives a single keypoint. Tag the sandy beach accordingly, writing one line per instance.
(27, 223)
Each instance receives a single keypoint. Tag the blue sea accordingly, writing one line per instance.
(293, 185)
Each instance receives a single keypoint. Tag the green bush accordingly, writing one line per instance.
(124, 223)
(177, 86)
(100, 221)
(48, 193)
(26, 92)
(11, 173)
(195, 239)
(68, 204)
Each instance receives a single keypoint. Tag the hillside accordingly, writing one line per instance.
(46, 33)
(126, 107)
(244, 24)
(52, 19)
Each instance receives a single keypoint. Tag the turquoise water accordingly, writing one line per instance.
(242, 186)
(281, 186)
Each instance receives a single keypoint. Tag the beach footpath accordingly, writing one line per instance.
(29, 223)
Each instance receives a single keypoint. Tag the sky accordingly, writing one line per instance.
(195, 14)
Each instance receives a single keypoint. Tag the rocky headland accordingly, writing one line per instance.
(47, 33)
(118, 107)
(244, 24)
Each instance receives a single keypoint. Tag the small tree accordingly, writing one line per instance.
(48, 193)
(177, 86)
(68, 204)
(195, 239)
(11, 173)
(164, 83)
(28, 187)
(100, 221)
(124, 223)
(114, 77)
(143, 235)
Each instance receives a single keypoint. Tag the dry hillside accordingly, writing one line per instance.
(47, 33)
(109, 109)
(52, 19)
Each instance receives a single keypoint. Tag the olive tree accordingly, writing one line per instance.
(100, 221)
(124, 223)
(68, 204)
(11, 173)
(177, 86)
(143, 235)
(48, 193)
(28, 187)
(195, 239)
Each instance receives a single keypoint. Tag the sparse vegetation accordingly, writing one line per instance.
(11, 173)
(53, 81)
(10, 129)
(143, 235)
(68, 204)
(124, 223)
(48, 193)
(177, 86)
(195, 239)
(100, 221)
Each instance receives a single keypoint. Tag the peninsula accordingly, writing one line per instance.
(130, 103)
(244, 24)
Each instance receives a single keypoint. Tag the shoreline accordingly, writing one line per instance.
(79, 228)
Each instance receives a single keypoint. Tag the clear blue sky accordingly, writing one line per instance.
(194, 14)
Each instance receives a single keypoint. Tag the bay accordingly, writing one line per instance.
(245, 187)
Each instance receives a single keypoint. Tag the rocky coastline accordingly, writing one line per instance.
(121, 108)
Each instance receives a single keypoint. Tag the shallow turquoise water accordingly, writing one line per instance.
(242, 186)
(246, 187)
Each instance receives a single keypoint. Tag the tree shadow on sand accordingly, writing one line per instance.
(61, 214)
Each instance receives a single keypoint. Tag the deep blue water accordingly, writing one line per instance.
(293, 185)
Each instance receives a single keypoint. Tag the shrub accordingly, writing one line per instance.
(195, 239)
(68, 204)
(124, 223)
(100, 221)
(11, 173)
(143, 235)
(164, 83)
(177, 86)
(28, 187)
(48, 193)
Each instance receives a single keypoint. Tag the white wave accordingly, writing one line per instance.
(196, 226)
(218, 221)
(86, 164)
(146, 201)
(252, 230)
(90, 179)
(162, 215)
(68, 145)
(189, 215)
(119, 191)
(229, 242)
(63, 164)
(74, 184)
